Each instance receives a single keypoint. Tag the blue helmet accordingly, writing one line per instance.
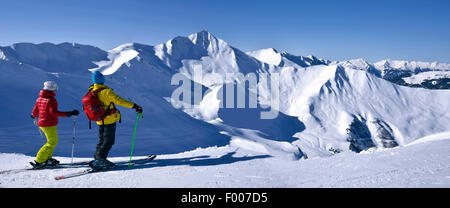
(98, 78)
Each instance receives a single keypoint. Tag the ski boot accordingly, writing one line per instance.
(49, 163)
(101, 164)
(110, 164)
(52, 162)
(37, 165)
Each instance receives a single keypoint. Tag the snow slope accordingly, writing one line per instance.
(328, 99)
(117, 57)
(284, 59)
(424, 165)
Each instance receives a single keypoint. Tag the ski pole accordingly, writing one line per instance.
(73, 138)
(39, 129)
(134, 135)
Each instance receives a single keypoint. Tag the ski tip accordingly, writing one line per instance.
(59, 177)
(3, 171)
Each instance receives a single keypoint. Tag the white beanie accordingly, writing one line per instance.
(50, 85)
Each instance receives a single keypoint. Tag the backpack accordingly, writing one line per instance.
(93, 107)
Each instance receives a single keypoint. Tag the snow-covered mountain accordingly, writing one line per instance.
(325, 107)
(64, 57)
(407, 73)
(146, 81)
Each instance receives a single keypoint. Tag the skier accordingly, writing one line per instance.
(46, 108)
(107, 127)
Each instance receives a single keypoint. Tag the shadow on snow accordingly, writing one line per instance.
(190, 161)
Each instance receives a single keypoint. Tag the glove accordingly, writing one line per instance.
(137, 108)
(72, 113)
(31, 116)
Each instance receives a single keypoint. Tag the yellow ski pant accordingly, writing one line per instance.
(46, 152)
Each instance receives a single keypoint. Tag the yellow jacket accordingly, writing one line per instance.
(106, 96)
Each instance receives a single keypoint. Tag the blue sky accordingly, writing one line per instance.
(335, 30)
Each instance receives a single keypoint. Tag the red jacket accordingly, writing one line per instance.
(47, 109)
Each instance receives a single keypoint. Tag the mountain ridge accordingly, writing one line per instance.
(395, 71)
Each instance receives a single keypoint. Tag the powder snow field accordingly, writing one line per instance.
(426, 164)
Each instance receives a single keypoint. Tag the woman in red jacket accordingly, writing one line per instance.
(46, 109)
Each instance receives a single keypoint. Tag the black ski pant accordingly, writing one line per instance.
(106, 136)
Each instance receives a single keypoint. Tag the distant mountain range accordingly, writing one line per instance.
(407, 73)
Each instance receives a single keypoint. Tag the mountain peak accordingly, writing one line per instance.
(202, 38)
(204, 32)
(272, 49)
(125, 46)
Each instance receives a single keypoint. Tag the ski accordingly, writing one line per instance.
(118, 166)
(61, 165)
(71, 175)
(65, 165)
